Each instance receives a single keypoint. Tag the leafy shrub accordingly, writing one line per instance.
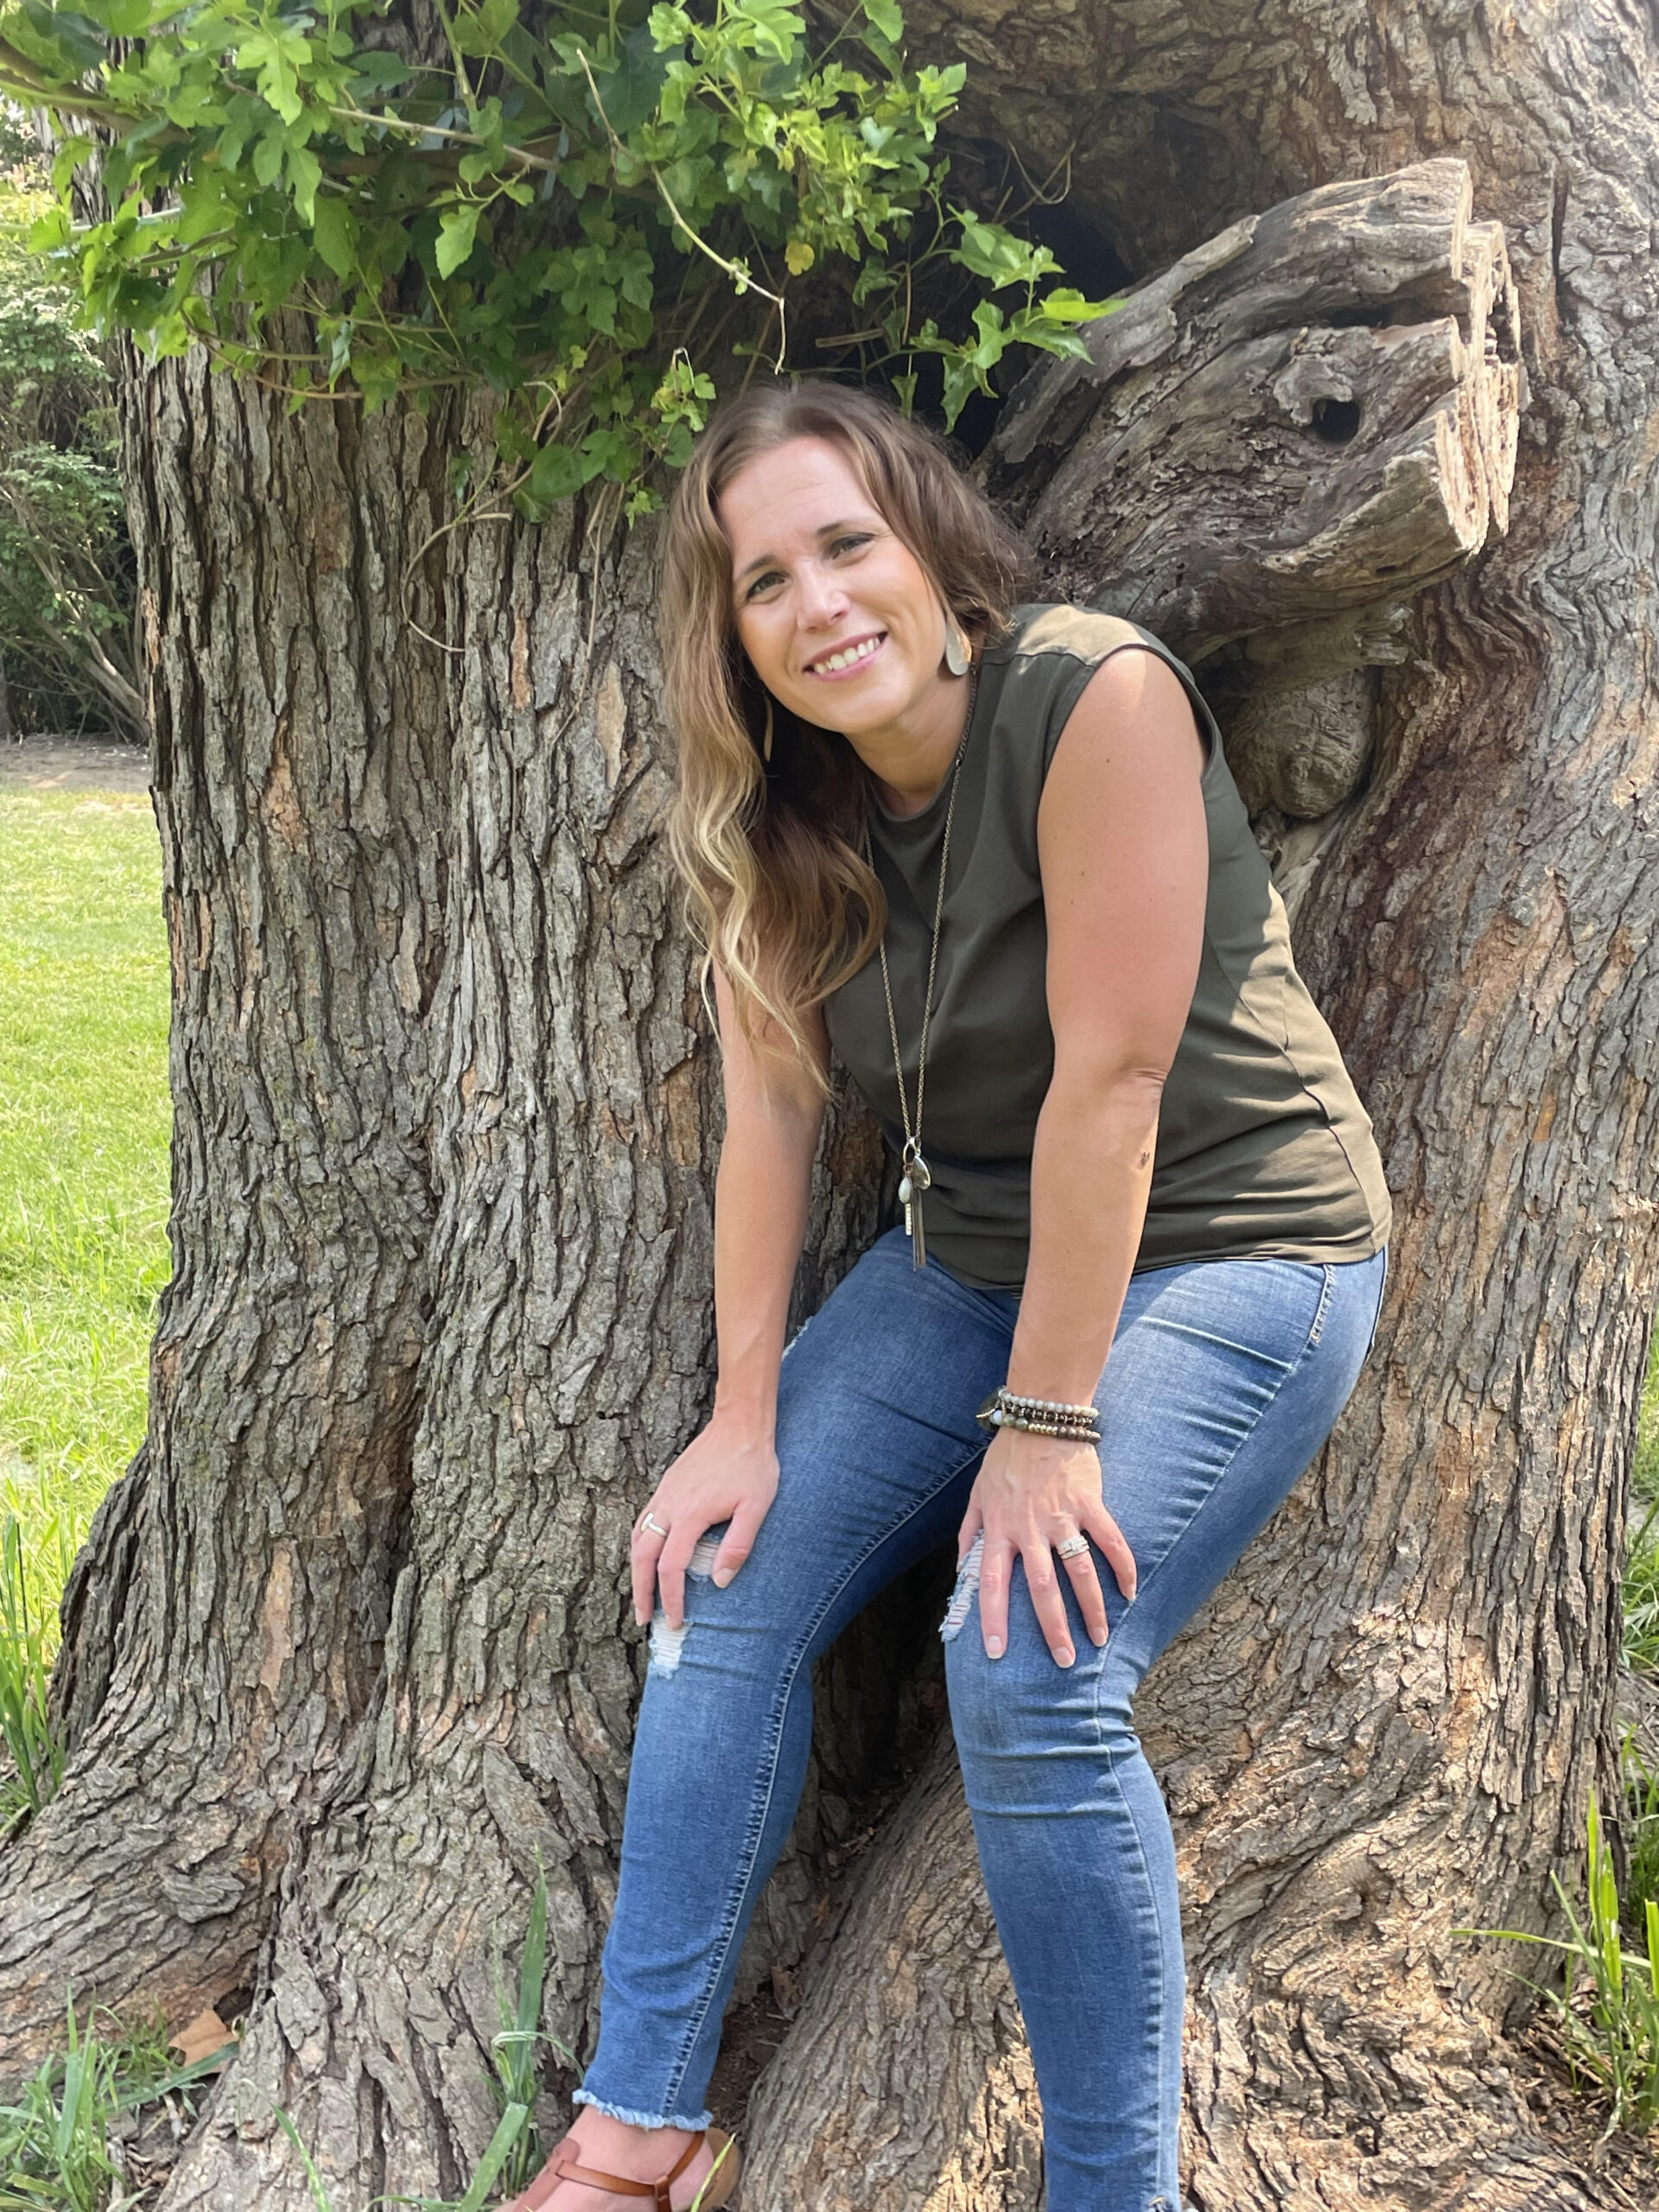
(583, 212)
(65, 581)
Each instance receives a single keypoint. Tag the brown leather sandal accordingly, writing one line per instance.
(717, 2187)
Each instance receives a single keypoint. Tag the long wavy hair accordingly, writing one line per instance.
(778, 891)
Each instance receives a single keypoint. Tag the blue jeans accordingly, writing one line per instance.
(1224, 1379)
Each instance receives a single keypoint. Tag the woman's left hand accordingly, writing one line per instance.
(1032, 1493)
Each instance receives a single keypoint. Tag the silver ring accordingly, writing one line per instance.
(1071, 1546)
(655, 1526)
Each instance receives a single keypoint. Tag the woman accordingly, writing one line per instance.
(993, 854)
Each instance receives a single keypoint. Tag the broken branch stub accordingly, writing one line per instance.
(1281, 439)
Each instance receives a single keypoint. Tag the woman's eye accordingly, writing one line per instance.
(842, 545)
(763, 583)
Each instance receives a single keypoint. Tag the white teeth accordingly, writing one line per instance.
(845, 660)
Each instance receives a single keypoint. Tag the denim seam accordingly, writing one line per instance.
(1157, 2025)
(1329, 1285)
(757, 1823)
(1285, 1379)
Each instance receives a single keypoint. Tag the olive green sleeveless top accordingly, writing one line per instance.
(1264, 1148)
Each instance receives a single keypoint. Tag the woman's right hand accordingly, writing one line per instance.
(727, 1473)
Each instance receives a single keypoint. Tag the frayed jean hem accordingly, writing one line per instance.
(641, 2119)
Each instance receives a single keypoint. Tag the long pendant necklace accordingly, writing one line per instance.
(915, 1178)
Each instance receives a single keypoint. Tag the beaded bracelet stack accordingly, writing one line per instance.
(1005, 1409)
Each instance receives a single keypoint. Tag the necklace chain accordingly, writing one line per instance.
(912, 1155)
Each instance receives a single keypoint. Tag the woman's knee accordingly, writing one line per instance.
(1026, 1702)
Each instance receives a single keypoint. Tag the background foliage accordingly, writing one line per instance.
(592, 211)
(66, 573)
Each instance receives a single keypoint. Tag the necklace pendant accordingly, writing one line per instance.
(915, 1180)
(918, 1240)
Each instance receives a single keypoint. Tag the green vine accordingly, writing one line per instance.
(576, 205)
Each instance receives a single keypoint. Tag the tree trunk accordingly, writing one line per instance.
(224, 1626)
(567, 1361)
(350, 1652)
(440, 1309)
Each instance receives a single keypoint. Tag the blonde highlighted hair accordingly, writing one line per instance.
(778, 892)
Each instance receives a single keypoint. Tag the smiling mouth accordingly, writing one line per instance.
(847, 657)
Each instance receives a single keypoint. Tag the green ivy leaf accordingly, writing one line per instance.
(555, 473)
(304, 175)
(457, 233)
(1065, 304)
(49, 231)
(669, 27)
(121, 18)
(335, 230)
(988, 251)
(480, 30)
(276, 56)
(377, 72)
(61, 39)
(268, 155)
(773, 26)
(631, 93)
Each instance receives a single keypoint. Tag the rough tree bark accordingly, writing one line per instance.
(224, 1623)
(351, 1644)
(567, 1361)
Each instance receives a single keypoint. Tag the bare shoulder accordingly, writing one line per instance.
(1133, 723)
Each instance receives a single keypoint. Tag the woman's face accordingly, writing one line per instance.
(832, 607)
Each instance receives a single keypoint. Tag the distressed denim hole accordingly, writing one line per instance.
(798, 1334)
(963, 1596)
(667, 1643)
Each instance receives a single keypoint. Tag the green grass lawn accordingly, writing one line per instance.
(1642, 1567)
(84, 1122)
(1647, 1436)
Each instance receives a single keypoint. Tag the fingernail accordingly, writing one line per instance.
(1065, 1658)
(722, 1576)
(993, 1646)
(1098, 1640)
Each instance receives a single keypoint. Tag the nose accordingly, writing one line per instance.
(820, 598)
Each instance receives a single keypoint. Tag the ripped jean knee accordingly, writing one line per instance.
(967, 1589)
(668, 1643)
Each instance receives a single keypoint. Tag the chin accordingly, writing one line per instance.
(868, 708)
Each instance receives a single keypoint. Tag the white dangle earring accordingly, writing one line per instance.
(958, 653)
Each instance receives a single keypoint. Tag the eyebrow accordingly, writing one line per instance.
(765, 560)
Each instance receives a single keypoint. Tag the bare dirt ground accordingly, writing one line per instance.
(74, 764)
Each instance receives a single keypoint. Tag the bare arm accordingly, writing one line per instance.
(1125, 857)
(729, 1470)
(760, 1199)
(1124, 852)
